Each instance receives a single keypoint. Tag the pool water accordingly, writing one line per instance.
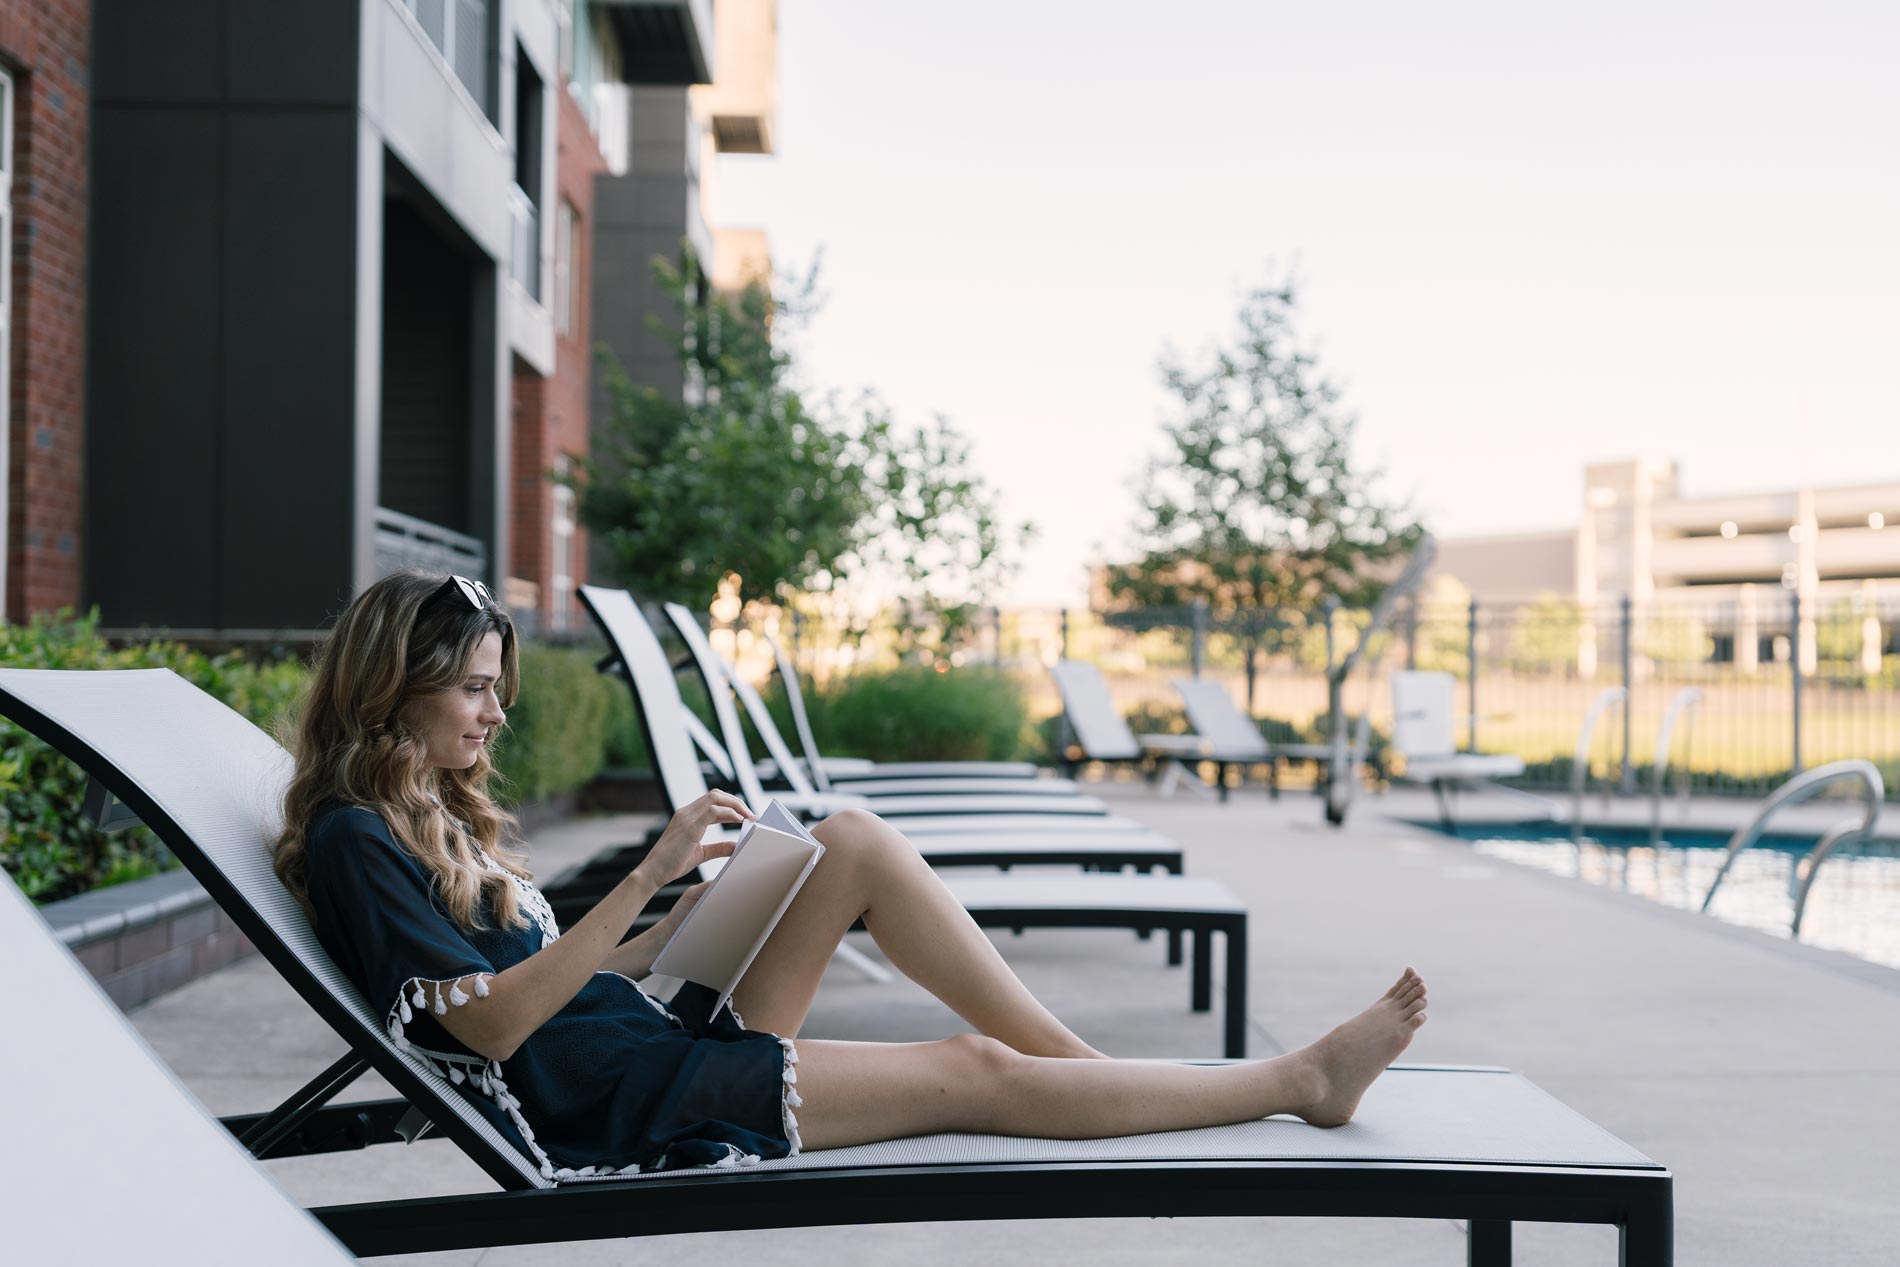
(1854, 907)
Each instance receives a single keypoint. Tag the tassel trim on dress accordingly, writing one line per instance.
(790, 1100)
(420, 994)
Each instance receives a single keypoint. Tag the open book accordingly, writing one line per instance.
(722, 934)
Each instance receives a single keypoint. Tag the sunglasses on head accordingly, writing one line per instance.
(460, 588)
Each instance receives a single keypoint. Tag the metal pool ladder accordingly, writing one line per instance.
(1580, 766)
(1681, 710)
(1800, 788)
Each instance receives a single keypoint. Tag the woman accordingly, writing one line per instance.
(395, 848)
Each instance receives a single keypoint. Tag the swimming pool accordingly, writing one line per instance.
(1854, 906)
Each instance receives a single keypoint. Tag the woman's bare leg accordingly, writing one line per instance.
(870, 871)
(858, 1092)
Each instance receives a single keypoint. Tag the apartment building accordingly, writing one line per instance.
(668, 197)
(1740, 561)
(45, 70)
(339, 294)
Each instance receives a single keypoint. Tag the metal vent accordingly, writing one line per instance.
(738, 134)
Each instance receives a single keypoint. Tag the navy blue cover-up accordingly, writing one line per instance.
(613, 1081)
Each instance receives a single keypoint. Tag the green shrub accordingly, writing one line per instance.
(915, 713)
(558, 731)
(47, 844)
(626, 746)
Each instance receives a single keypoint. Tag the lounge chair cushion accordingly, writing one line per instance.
(1464, 765)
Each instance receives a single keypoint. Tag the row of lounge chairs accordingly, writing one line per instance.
(1477, 1144)
(1423, 734)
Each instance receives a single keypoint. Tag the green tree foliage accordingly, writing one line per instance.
(738, 478)
(934, 535)
(1255, 501)
(748, 477)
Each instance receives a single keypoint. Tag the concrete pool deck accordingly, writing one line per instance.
(1762, 1073)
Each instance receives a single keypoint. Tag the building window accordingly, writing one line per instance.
(565, 317)
(6, 312)
(525, 197)
(460, 31)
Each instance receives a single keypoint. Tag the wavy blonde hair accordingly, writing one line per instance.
(353, 743)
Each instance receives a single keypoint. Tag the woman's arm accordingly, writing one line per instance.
(634, 957)
(522, 998)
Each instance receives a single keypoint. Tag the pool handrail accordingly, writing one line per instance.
(1682, 707)
(1580, 766)
(1798, 789)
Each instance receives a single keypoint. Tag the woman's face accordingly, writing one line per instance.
(456, 723)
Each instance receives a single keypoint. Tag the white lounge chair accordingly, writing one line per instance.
(714, 667)
(1098, 732)
(126, 1167)
(1424, 727)
(1429, 1141)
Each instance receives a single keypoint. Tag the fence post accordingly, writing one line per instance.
(1627, 778)
(1330, 606)
(1065, 633)
(1411, 632)
(996, 634)
(1794, 667)
(798, 631)
(1471, 675)
(1199, 647)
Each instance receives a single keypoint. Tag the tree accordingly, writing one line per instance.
(744, 478)
(1255, 502)
(1547, 635)
(934, 533)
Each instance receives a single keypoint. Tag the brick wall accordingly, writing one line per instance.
(550, 414)
(44, 45)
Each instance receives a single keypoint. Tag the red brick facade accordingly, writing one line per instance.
(550, 414)
(44, 47)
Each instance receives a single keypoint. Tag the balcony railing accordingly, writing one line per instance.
(524, 263)
(403, 541)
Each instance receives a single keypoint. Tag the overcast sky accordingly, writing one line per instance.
(1532, 235)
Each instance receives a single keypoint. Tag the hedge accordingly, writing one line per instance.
(568, 722)
(915, 713)
(47, 844)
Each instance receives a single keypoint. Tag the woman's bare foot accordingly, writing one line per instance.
(1349, 1058)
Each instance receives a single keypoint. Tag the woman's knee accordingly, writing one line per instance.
(863, 837)
(978, 1059)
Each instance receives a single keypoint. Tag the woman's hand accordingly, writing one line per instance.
(681, 908)
(678, 850)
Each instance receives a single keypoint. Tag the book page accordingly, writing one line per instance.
(776, 815)
(724, 931)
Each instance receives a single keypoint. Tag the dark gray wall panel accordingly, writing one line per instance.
(291, 53)
(152, 426)
(288, 367)
(147, 50)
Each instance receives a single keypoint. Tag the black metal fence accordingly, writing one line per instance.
(1752, 690)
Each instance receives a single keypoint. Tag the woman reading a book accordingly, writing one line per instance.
(396, 849)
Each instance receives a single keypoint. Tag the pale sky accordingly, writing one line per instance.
(1532, 235)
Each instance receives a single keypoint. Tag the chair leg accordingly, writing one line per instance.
(1235, 1022)
(1489, 1244)
(1174, 948)
(1220, 778)
(1648, 1237)
(1203, 984)
(1444, 805)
